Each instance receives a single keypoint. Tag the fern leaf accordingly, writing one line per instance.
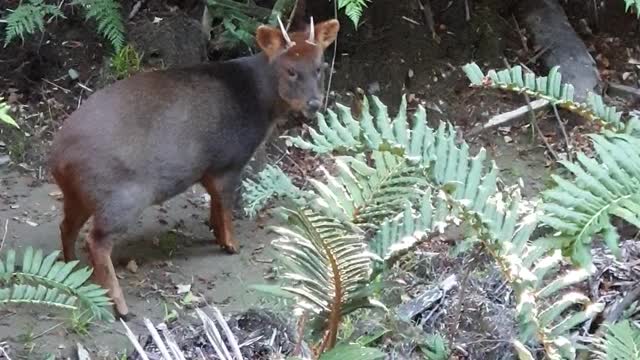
(621, 341)
(602, 187)
(329, 264)
(633, 4)
(353, 9)
(107, 15)
(549, 88)
(28, 18)
(43, 280)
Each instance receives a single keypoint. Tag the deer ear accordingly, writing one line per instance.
(326, 32)
(270, 40)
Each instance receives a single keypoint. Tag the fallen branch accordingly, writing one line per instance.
(510, 116)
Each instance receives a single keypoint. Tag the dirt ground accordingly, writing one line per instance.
(393, 51)
(172, 247)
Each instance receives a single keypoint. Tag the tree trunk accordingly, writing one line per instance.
(548, 23)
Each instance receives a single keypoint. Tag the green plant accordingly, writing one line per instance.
(239, 20)
(621, 342)
(79, 322)
(107, 15)
(398, 182)
(633, 4)
(41, 280)
(582, 206)
(353, 9)
(4, 115)
(125, 62)
(28, 18)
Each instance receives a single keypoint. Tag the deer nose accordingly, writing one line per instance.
(313, 105)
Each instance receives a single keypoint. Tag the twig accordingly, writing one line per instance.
(522, 38)
(137, 7)
(85, 87)
(509, 116)
(65, 90)
(410, 20)
(4, 353)
(532, 118)
(301, 323)
(534, 122)
(292, 14)
(467, 12)
(4, 234)
(428, 18)
(535, 57)
(134, 342)
(333, 60)
(564, 131)
(458, 308)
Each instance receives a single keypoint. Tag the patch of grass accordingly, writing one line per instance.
(79, 322)
(126, 62)
(168, 243)
(17, 145)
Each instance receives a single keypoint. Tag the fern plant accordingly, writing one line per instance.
(353, 9)
(28, 18)
(42, 280)
(598, 189)
(32, 15)
(4, 115)
(621, 342)
(633, 4)
(550, 88)
(107, 15)
(398, 181)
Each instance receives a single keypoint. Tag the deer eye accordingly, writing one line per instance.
(292, 73)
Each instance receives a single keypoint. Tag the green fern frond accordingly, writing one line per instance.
(4, 115)
(546, 313)
(353, 9)
(632, 4)
(28, 18)
(44, 280)
(621, 342)
(352, 352)
(550, 88)
(600, 188)
(329, 267)
(270, 183)
(107, 15)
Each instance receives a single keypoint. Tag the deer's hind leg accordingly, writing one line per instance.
(222, 192)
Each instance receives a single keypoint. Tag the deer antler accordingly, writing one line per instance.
(312, 33)
(287, 39)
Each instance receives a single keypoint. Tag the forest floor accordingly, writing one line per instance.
(169, 261)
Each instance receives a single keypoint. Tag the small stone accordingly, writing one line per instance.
(4, 159)
(31, 223)
(14, 206)
(132, 266)
(73, 74)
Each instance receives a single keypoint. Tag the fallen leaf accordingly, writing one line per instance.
(183, 288)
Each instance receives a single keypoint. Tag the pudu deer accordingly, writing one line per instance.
(148, 138)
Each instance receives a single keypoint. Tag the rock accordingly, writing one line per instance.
(132, 266)
(176, 40)
(4, 159)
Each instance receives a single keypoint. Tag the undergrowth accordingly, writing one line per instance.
(396, 181)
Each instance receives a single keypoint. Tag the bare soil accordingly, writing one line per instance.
(391, 53)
